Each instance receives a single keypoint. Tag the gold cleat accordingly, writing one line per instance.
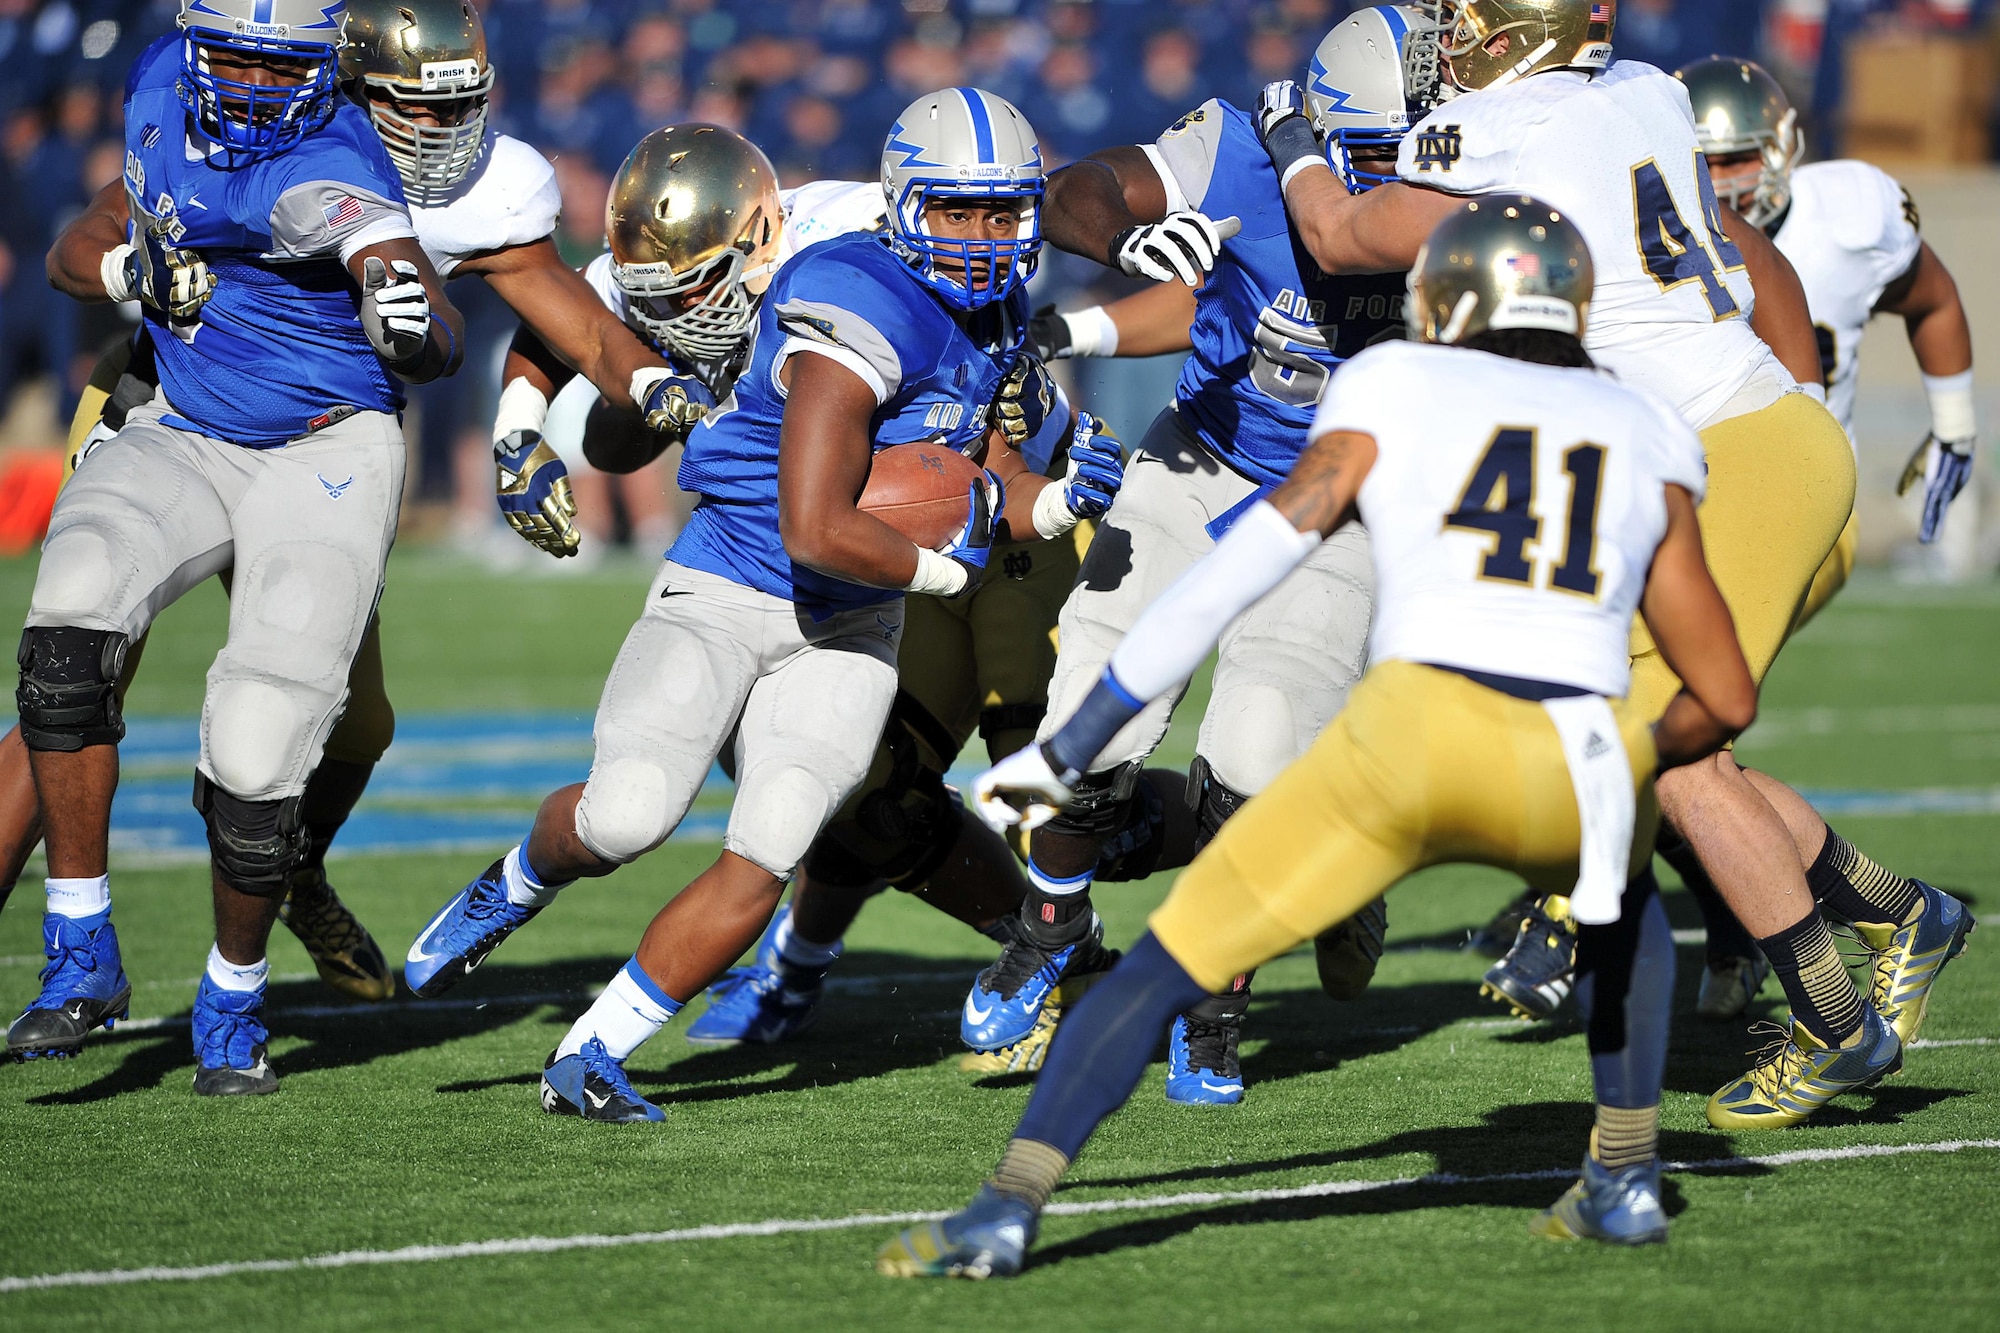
(345, 954)
(1908, 959)
(1796, 1075)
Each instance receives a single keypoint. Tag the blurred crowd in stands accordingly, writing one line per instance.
(815, 82)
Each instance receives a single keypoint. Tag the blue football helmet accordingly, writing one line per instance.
(964, 143)
(252, 121)
(1372, 77)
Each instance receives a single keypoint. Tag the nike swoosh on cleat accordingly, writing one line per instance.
(597, 1103)
(1222, 1087)
(417, 954)
(976, 1016)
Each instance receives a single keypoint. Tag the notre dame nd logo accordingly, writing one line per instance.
(1018, 565)
(1440, 148)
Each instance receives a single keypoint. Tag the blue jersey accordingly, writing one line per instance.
(279, 345)
(1269, 327)
(851, 299)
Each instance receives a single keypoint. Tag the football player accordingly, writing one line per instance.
(1268, 330)
(773, 624)
(1491, 726)
(1543, 109)
(481, 203)
(1851, 232)
(262, 225)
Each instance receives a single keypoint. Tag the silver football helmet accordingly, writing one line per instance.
(1739, 108)
(1371, 78)
(964, 143)
(252, 121)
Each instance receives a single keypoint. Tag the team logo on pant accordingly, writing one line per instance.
(334, 489)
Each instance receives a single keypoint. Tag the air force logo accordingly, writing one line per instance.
(1440, 148)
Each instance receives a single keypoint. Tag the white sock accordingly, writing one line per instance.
(236, 976)
(79, 898)
(797, 950)
(1058, 888)
(632, 1009)
(523, 889)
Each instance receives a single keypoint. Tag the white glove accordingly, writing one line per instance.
(396, 315)
(1180, 247)
(1020, 789)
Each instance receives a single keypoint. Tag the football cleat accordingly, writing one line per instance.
(1728, 985)
(83, 986)
(1026, 1055)
(1007, 998)
(464, 931)
(1907, 959)
(344, 953)
(594, 1086)
(229, 1041)
(1202, 1068)
(1536, 975)
(1796, 1075)
(771, 1000)
(1621, 1207)
(1346, 954)
(989, 1237)
(1496, 937)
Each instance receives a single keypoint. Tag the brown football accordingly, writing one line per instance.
(920, 490)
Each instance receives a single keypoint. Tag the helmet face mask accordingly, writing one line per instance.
(294, 43)
(1500, 262)
(1492, 43)
(964, 144)
(1372, 77)
(419, 68)
(694, 221)
(1740, 109)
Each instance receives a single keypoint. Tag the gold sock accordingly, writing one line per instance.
(1029, 1170)
(1625, 1136)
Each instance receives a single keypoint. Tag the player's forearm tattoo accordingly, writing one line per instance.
(1314, 497)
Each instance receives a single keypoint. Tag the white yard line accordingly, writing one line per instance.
(414, 1254)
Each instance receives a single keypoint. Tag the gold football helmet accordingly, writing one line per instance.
(1490, 43)
(420, 69)
(1739, 108)
(1500, 262)
(694, 221)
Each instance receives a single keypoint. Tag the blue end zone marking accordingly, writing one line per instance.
(982, 125)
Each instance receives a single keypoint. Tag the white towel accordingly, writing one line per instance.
(1601, 775)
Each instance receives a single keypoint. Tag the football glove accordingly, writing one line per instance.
(676, 404)
(1022, 404)
(1180, 247)
(189, 283)
(533, 491)
(1021, 789)
(1943, 466)
(1048, 334)
(396, 315)
(985, 501)
(1285, 129)
(1096, 467)
(88, 445)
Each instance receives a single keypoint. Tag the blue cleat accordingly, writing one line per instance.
(1007, 998)
(771, 1000)
(1202, 1068)
(459, 937)
(1620, 1207)
(1795, 1075)
(83, 986)
(988, 1238)
(592, 1085)
(229, 1041)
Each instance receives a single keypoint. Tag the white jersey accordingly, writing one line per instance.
(1850, 232)
(509, 199)
(1617, 154)
(1513, 520)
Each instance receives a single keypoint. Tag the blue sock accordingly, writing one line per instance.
(1625, 988)
(1104, 1044)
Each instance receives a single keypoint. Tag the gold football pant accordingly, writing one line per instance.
(369, 723)
(1423, 767)
(1833, 572)
(1780, 489)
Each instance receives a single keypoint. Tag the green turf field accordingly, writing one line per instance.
(417, 1125)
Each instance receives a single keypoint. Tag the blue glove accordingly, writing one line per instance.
(1096, 467)
(676, 404)
(985, 501)
(1943, 466)
(533, 491)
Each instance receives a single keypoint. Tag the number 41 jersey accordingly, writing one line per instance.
(1513, 512)
(1617, 154)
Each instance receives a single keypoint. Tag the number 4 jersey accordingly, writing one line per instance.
(1617, 154)
(1514, 517)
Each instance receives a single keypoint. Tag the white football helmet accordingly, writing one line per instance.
(964, 143)
(1372, 77)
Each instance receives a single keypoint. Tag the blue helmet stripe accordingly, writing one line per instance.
(982, 124)
(1399, 27)
(263, 11)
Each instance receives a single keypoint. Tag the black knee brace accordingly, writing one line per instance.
(256, 845)
(1214, 801)
(68, 695)
(1099, 807)
(1010, 717)
(912, 811)
(1133, 851)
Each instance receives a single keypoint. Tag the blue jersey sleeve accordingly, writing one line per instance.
(826, 302)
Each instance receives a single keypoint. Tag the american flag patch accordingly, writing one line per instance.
(1525, 266)
(341, 213)
(1602, 13)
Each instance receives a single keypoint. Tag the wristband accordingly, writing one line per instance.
(1052, 516)
(1108, 707)
(522, 407)
(1292, 145)
(937, 575)
(644, 380)
(1953, 416)
(114, 274)
(1092, 332)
